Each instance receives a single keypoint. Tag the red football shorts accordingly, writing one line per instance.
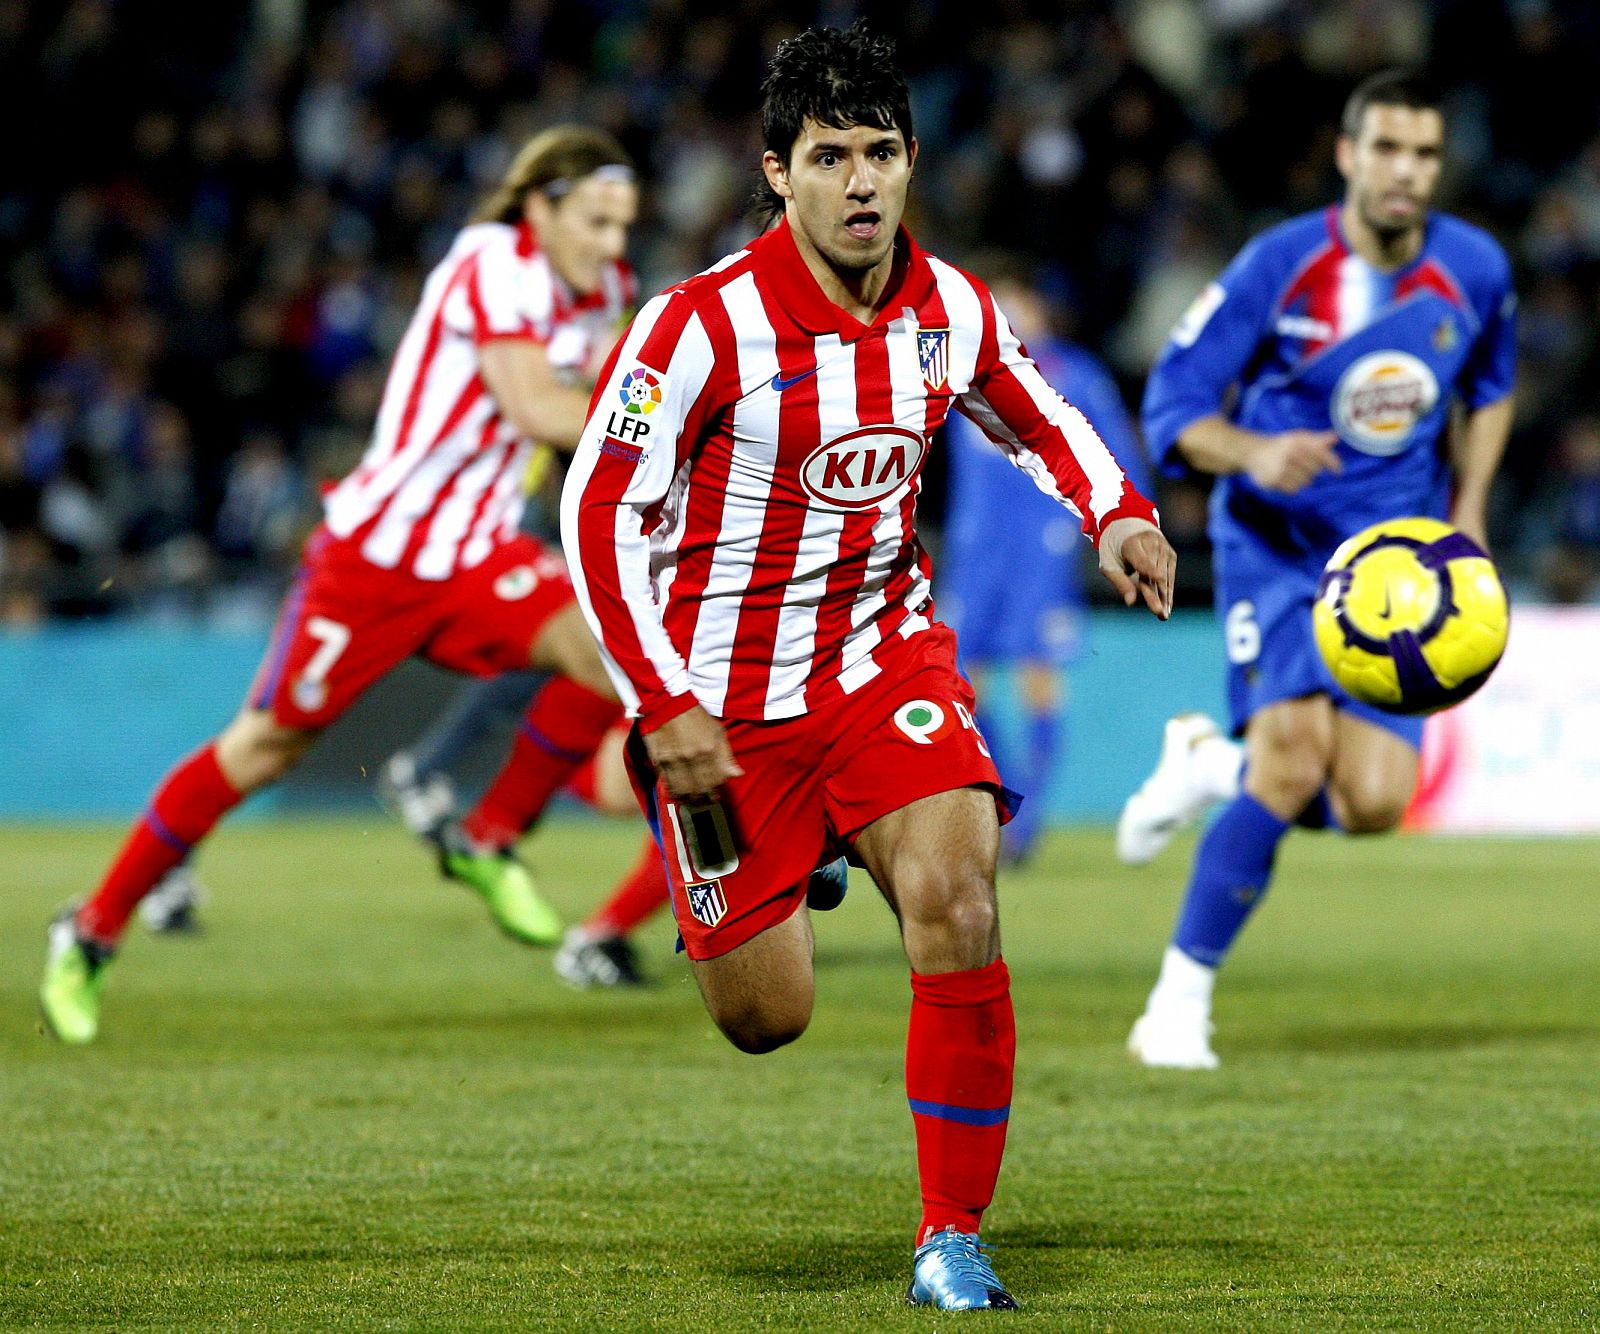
(810, 785)
(345, 622)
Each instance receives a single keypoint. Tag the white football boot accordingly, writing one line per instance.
(1174, 1032)
(172, 906)
(1174, 1037)
(1198, 767)
(424, 803)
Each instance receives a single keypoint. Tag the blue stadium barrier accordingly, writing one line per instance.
(92, 715)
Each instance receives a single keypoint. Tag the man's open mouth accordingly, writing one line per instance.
(864, 226)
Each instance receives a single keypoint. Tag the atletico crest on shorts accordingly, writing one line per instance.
(933, 351)
(706, 902)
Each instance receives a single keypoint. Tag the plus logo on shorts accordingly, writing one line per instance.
(925, 722)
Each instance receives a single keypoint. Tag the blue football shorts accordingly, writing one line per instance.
(1015, 599)
(1264, 606)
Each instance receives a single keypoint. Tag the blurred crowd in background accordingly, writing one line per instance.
(214, 237)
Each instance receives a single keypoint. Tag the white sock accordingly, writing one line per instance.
(1182, 981)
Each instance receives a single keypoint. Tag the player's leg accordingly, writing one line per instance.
(913, 789)
(1290, 750)
(251, 752)
(760, 993)
(475, 711)
(1374, 774)
(598, 952)
(740, 869)
(934, 860)
(514, 611)
(1198, 767)
(415, 783)
(342, 626)
(562, 727)
(1039, 692)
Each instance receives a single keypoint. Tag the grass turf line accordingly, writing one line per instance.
(353, 1104)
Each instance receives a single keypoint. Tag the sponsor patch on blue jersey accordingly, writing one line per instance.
(1301, 332)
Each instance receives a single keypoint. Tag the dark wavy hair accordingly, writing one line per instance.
(842, 79)
(1388, 88)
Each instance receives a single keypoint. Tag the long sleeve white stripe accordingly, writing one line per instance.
(683, 381)
(744, 505)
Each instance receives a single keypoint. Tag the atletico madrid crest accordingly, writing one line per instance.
(933, 351)
(706, 902)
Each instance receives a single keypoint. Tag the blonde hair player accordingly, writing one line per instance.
(419, 553)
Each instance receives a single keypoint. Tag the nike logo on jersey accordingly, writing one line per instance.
(779, 384)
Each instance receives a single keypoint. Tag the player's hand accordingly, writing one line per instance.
(1288, 461)
(692, 755)
(1139, 561)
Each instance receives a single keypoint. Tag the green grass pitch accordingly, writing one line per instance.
(352, 1105)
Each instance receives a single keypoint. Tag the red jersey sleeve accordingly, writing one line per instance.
(1045, 436)
(648, 407)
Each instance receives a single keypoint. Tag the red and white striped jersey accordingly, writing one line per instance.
(740, 513)
(441, 483)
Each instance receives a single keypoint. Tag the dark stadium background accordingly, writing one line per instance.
(215, 225)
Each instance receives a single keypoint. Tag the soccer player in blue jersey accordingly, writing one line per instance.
(1349, 366)
(998, 522)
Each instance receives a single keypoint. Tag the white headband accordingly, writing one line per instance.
(616, 172)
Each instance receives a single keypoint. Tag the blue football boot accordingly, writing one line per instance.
(828, 885)
(951, 1271)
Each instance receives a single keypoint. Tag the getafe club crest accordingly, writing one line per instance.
(1444, 337)
(933, 351)
(706, 902)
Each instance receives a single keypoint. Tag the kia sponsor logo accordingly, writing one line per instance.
(864, 467)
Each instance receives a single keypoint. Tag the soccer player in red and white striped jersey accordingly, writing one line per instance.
(740, 514)
(419, 552)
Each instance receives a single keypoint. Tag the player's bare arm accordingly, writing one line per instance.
(1286, 462)
(1139, 561)
(1476, 447)
(692, 755)
(531, 395)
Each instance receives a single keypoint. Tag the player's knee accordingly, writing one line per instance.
(956, 900)
(1288, 786)
(255, 751)
(758, 1030)
(1369, 806)
(1288, 766)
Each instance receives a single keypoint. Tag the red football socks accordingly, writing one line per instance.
(561, 729)
(960, 1053)
(585, 782)
(184, 809)
(641, 892)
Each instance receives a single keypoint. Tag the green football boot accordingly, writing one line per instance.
(502, 882)
(69, 995)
